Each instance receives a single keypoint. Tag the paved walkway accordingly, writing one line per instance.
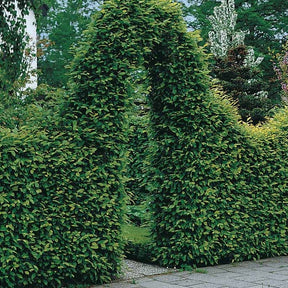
(272, 273)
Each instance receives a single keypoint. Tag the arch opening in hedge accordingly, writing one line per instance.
(219, 188)
(211, 176)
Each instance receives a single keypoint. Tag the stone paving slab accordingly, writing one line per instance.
(267, 273)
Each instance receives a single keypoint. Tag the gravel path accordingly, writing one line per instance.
(133, 270)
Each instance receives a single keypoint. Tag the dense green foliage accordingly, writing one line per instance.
(220, 193)
(219, 189)
(215, 196)
(59, 224)
(61, 190)
(227, 200)
(30, 107)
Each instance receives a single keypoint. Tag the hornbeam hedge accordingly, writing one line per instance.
(219, 188)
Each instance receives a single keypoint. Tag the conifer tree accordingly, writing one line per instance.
(236, 66)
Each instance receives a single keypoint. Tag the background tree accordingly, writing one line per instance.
(243, 84)
(13, 41)
(265, 21)
(58, 31)
(281, 70)
(13, 64)
(236, 66)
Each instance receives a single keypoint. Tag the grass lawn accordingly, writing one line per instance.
(136, 234)
(137, 243)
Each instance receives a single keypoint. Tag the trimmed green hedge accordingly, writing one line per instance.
(222, 195)
(62, 192)
(60, 222)
(219, 188)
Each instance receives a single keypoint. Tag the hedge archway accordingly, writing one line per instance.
(219, 188)
(213, 194)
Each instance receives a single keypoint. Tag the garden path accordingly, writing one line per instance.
(271, 272)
